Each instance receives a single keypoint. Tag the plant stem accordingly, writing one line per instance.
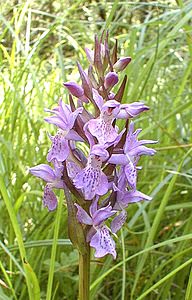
(84, 274)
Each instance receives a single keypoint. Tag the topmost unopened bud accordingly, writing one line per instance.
(121, 64)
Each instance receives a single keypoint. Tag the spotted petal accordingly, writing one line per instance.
(103, 131)
(49, 198)
(131, 175)
(59, 149)
(103, 243)
(90, 181)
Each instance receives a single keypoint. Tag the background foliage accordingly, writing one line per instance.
(40, 44)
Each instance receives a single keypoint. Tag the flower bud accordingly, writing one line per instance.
(75, 89)
(110, 80)
(121, 64)
(90, 55)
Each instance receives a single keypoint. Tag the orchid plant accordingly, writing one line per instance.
(99, 185)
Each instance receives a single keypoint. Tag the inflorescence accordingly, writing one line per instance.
(103, 183)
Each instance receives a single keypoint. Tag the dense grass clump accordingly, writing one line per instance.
(40, 44)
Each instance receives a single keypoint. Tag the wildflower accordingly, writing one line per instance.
(91, 179)
(133, 149)
(102, 127)
(63, 118)
(98, 235)
(107, 175)
(125, 197)
(53, 177)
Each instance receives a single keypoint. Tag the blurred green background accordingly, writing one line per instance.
(39, 46)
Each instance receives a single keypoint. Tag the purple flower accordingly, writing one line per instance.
(133, 149)
(63, 117)
(102, 127)
(118, 221)
(53, 179)
(131, 110)
(98, 99)
(91, 179)
(72, 169)
(98, 235)
(110, 168)
(59, 149)
(124, 198)
(121, 64)
(130, 170)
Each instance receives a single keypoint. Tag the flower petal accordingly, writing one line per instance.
(121, 64)
(63, 117)
(110, 80)
(83, 216)
(118, 221)
(59, 149)
(131, 175)
(126, 198)
(74, 88)
(103, 243)
(103, 131)
(100, 151)
(118, 159)
(102, 214)
(49, 198)
(90, 181)
(74, 136)
(142, 150)
(72, 169)
(131, 110)
(98, 99)
(103, 185)
(44, 172)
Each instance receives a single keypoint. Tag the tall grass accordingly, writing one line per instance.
(40, 43)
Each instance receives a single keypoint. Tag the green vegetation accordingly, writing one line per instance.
(40, 44)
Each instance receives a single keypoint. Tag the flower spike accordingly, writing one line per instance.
(94, 162)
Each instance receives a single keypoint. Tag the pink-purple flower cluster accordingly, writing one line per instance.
(104, 181)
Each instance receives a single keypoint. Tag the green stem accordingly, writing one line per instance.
(84, 275)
